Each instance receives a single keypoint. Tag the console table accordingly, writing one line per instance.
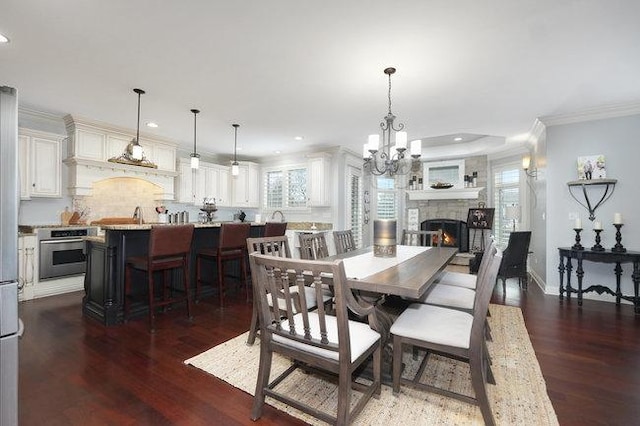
(567, 254)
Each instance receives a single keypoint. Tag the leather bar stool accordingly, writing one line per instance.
(169, 248)
(232, 245)
(274, 229)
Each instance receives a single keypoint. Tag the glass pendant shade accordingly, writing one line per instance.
(235, 169)
(195, 161)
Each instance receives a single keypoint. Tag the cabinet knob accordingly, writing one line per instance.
(33, 185)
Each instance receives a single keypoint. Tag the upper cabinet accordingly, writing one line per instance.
(209, 180)
(39, 164)
(319, 180)
(245, 188)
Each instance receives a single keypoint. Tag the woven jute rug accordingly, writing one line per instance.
(518, 398)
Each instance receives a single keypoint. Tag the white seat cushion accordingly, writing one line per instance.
(309, 295)
(434, 324)
(458, 279)
(361, 336)
(452, 296)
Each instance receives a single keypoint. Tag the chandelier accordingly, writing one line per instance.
(379, 160)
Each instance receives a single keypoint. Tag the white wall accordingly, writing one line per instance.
(616, 139)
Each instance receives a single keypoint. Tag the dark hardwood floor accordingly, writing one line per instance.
(76, 371)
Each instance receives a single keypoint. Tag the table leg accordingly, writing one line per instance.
(561, 271)
(579, 274)
(569, 269)
(636, 283)
(618, 271)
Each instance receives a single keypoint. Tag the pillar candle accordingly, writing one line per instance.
(617, 219)
(597, 225)
(578, 224)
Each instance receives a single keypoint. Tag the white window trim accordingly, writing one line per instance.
(284, 170)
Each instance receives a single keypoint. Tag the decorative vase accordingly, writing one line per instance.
(384, 238)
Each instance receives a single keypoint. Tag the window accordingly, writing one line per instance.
(451, 171)
(506, 183)
(285, 188)
(386, 199)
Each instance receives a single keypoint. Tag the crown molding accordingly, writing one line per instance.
(34, 113)
(599, 113)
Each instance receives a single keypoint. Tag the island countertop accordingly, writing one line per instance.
(147, 226)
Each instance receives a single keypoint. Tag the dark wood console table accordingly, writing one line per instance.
(566, 254)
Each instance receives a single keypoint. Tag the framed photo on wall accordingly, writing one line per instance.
(480, 218)
(591, 167)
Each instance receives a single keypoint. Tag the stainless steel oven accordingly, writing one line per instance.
(62, 251)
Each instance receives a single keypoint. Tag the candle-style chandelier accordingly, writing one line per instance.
(380, 160)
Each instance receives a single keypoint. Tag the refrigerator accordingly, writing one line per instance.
(9, 199)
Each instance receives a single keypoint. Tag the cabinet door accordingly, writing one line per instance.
(91, 145)
(246, 186)
(45, 168)
(219, 185)
(186, 187)
(319, 181)
(23, 167)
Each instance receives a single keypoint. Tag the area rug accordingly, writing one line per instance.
(519, 396)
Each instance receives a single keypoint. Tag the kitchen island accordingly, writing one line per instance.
(106, 259)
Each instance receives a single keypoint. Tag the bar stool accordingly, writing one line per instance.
(169, 248)
(232, 245)
(274, 229)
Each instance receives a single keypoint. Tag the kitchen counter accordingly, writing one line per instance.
(147, 226)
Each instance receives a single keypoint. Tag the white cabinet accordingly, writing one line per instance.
(245, 188)
(209, 180)
(39, 164)
(217, 184)
(186, 182)
(319, 180)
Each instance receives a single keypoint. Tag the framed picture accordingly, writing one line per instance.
(480, 218)
(591, 167)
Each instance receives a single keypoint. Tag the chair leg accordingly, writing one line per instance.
(221, 281)
(397, 363)
(344, 395)
(478, 382)
(187, 288)
(198, 277)
(264, 370)
(167, 292)
(152, 314)
(243, 271)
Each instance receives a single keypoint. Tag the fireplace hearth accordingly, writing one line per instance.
(455, 232)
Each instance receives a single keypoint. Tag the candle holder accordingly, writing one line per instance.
(597, 247)
(384, 238)
(618, 248)
(577, 245)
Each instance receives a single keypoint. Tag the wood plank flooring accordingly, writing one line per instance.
(75, 371)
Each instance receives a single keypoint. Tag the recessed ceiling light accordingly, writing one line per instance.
(3, 39)
(276, 152)
(299, 138)
(458, 139)
(152, 124)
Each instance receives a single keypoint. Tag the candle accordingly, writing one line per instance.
(578, 224)
(617, 219)
(401, 140)
(416, 147)
(597, 225)
(374, 142)
(365, 151)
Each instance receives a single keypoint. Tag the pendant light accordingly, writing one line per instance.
(195, 157)
(136, 149)
(235, 169)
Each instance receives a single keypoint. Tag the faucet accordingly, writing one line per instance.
(273, 215)
(137, 214)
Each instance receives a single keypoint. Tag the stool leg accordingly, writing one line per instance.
(127, 290)
(198, 266)
(243, 271)
(167, 292)
(152, 315)
(220, 280)
(185, 280)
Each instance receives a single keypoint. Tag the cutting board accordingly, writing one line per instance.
(65, 216)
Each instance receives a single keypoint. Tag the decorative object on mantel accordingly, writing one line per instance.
(195, 157)
(442, 185)
(384, 238)
(382, 161)
(597, 228)
(235, 170)
(133, 153)
(609, 187)
(617, 222)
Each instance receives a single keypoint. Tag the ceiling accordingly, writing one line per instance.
(287, 68)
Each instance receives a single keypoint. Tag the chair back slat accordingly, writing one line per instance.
(273, 277)
(422, 238)
(275, 246)
(344, 241)
(313, 246)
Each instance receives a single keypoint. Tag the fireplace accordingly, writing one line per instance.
(454, 232)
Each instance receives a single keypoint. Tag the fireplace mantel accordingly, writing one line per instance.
(445, 194)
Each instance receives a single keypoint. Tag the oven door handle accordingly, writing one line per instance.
(75, 240)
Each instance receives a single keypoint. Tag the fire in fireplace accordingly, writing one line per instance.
(455, 232)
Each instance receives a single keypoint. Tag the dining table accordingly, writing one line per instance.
(409, 275)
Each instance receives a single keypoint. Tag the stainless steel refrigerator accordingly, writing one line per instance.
(9, 199)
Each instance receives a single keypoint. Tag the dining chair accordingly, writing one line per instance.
(313, 340)
(232, 246)
(449, 332)
(514, 261)
(313, 246)
(274, 229)
(467, 280)
(344, 241)
(169, 249)
(422, 238)
(279, 247)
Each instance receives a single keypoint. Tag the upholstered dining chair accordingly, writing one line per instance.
(449, 332)
(421, 238)
(313, 246)
(467, 280)
(274, 229)
(169, 248)
(313, 340)
(514, 261)
(232, 245)
(344, 241)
